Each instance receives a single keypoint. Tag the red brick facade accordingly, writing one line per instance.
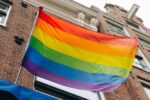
(20, 23)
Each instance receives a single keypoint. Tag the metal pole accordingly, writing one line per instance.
(18, 75)
(21, 68)
(99, 96)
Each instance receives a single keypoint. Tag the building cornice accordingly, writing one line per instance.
(52, 8)
(70, 4)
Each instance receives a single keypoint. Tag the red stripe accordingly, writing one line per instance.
(85, 33)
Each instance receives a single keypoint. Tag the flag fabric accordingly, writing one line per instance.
(77, 57)
(11, 91)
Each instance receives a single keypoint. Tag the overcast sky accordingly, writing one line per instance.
(143, 12)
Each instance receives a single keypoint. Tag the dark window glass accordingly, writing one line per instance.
(56, 92)
(133, 25)
(115, 28)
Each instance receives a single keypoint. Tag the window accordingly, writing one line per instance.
(135, 27)
(147, 90)
(132, 25)
(63, 92)
(115, 27)
(144, 42)
(4, 13)
(146, 86)
(141, 62)
(126, 32)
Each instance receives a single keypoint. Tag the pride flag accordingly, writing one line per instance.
(77, 57)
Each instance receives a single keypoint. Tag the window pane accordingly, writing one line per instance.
(65, 91)
(140, 64)
(115, 28)
(2, 18)
(56, 92)
(137, 63)
(133, 25)
(144, 42)
(4, 7)
(4, 12)
(147, 90)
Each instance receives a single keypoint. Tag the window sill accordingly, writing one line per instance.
(3, 25)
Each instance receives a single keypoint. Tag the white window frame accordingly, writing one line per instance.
(81, 93)
(146, 91)
(146, 62)
(117, 26)
(145, 84)
(126, 32)
(135, 26)
(7, 14)
(132, 25)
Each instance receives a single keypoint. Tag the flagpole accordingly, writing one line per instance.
(99, 97)
(21, 68)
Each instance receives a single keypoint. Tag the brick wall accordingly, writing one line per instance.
(19, 23)
(132, 89)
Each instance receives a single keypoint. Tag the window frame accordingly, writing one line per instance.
(7, 13)
(146, 66)
(74, 92)
(144, 42)
(115, 24)
(145, 84)
(147, 87)
(133, 25)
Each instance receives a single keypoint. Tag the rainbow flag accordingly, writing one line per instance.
(77, 57)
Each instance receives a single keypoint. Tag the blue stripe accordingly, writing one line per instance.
(70, 73)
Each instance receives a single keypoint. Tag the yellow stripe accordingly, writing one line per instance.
(78, 53)
(93, 46)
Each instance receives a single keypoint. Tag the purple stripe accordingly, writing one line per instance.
(64, 81)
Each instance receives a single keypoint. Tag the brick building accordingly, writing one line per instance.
(16, 22)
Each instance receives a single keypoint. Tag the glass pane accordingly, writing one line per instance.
(133, 25)
(85, 95)
(115, 28)
(136, 61)
(138, 64)
(147, 90)
(2, 18)
(3, 7)
(144, 42)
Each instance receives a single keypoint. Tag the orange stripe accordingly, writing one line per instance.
(85, 33)
(81, 43)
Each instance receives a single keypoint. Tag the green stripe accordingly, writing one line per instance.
(73, 62)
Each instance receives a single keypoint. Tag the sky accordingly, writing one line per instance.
(143, 12)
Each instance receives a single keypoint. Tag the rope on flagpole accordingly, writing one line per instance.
(21, 68)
